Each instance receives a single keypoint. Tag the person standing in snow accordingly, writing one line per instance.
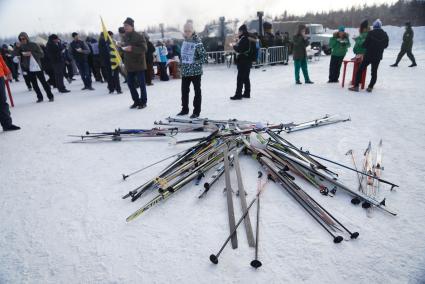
(8, 58)
(55, 52)
(375, 43)
(80, 52)
(5, 118)
(299, 53)
(406, 46)
(112, 76)
(161, 58)
(149, 61)
(193, 56)
(245, 48)
(134, 48)
(358, 48)
(339, 43)
(30, 55)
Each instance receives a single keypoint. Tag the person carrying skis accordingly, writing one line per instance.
(406, 46)
(193, 56)
(5, 118)
(375, 43)
(339, 44)
(299, 53)
(246, 53)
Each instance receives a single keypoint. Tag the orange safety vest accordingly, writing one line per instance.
(4, 70)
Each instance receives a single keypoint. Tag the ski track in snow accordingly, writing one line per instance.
(62, 219)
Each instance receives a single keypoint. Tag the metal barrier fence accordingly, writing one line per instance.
(266, 56)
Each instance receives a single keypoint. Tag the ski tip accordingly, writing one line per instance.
(338, 239)
(214, 258)
(256, 263)
(124, 177)
(355, 201)
(354, 235)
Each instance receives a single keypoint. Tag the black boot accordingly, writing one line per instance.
(236, 97)
(194, 115)
(394, 65)
(135, 105)
(11, 128)
(298, 82)
(413, 65)
(183, 112)
(246, 96)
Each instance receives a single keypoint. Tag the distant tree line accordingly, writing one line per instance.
(396, 14)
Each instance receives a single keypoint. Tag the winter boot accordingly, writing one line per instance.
(413, 65)
(236, 97)
(183, 112)
(11, 128)
(394, 65)
(354, 89)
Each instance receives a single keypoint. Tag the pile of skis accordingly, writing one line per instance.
(172, 126)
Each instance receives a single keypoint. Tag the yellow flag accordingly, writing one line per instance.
(114, 54)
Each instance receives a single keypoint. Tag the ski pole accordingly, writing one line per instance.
(350, 152)
(214, 257)
(256, 263)
(12, 104)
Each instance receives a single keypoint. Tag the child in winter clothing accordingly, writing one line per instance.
(161, 58)
(339, 44)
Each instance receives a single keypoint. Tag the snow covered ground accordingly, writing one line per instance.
(62, 219)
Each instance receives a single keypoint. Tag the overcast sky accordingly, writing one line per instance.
(77, 15)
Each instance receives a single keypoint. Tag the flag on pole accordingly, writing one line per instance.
(116, 60)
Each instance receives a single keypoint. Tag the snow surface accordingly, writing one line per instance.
(62, 219)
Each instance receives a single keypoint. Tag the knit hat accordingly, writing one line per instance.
(121, 30)
(341, 28)
(74, 34)
(129, 21)
(377, 24)
(364, 25)
(243, 28)
(53, 37)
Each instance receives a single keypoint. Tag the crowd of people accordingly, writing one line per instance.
(95, 58)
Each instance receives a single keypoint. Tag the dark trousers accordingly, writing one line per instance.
(374, 71)
(27, 81)
(58, 69)
(68, 71)
(196, 81)
(409, 53)
(113, 78)
(163, 76)
(5, 119)
(97, 70)
(40, 76)
(83, 67)
(149, 72)
(131, 82)
(335, 68)
(244, 68)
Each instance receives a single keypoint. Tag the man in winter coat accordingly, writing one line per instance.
(193, 56)
(149, 61)
(8, 58)
(406, 47)
(375, 43)
(339, 43)
(299, 53)
(30, 55)
(112, 76)
(55, 52)
(134, 47)
(80, 52)
(244, 48)
(5, 119)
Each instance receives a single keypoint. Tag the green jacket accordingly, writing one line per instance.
(136, 59)
(339, 45)
(199, 57)
(407, 39)
(358, 45)
(298, 50)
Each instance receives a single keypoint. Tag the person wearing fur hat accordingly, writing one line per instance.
(244, 46)
(193, 56)
(55, 51)
(339, 43)
(30, 55)
(5, 118)
(299, 53)
(134, 47)
(375, 43)
(406, 46)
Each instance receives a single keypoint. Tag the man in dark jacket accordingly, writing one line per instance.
(112, 75)
(406, 46)
(80, 52)
(299, 54)
(134, 47)
(8, 58)
(149, 61)
(30, 55)
(375, 43)
(244, 63)
(55, 51)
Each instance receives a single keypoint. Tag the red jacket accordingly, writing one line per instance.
(4, 70)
